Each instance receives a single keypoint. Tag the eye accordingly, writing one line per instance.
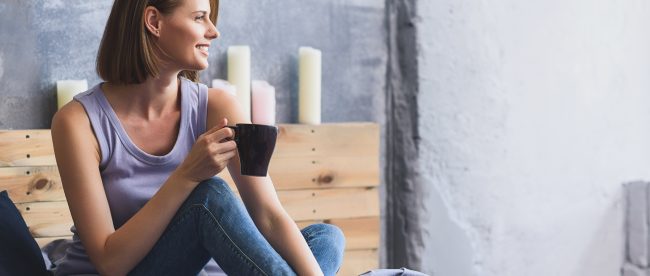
(200, 17)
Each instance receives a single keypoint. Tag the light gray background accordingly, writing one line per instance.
(531, 115)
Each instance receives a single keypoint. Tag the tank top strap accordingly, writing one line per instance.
(197, 95)
(202, 109)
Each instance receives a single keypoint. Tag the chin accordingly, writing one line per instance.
(199, 66)
(203, 64)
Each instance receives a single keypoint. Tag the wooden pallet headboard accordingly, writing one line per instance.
(325, 173)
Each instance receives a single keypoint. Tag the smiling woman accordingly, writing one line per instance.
(138, 153)
(130, 55)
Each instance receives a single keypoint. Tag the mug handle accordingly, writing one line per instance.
(234, 128)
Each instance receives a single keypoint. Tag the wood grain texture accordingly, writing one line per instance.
(32, 184)
(26, 148)
(345, 139)
(29, 184)
(356, 262)
(306, 157)
(46, 219)
(294, 173)
(34, 147)
(330, 203)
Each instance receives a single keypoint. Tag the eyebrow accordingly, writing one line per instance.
(202, 12)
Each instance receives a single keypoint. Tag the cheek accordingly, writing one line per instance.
(180, 41)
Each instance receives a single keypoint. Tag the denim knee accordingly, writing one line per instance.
(210, 189)
(329, 232)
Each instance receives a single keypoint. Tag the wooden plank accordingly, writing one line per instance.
(322, 156)
(356, 262)
(34, 147)
(46, 219)
(337, 139)
(330, 203)
(26, 148)
(323, 172)
(360, 233)
(30, 184)
(44, 241)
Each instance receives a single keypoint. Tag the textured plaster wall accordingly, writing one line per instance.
(40, 42)
(48, 40)
(531, 116)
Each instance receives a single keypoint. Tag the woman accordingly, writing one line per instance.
(137, 163)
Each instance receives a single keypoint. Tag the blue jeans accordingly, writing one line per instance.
(213, 223)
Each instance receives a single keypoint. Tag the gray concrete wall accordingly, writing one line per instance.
(404, 220)
(45, 41)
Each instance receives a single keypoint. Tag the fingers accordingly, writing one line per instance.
(223, 135)
(229, 146)
(220, 132)
(227, 155)
(217, 127)
(221, 159)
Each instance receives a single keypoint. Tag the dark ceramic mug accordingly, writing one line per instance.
(255, 144)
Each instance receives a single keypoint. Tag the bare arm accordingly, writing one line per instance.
(116, 252)
(260, 198)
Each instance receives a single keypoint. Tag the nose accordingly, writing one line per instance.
(213, 33)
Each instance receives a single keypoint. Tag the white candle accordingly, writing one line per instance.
(239, 74)
(309, 98)
(66, 89)
(225, 86)
(263, 95)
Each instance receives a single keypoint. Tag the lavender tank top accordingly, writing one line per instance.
(131, 176)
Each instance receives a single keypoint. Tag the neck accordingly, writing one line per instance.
(150, 99)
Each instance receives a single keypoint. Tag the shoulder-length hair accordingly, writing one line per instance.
(126, 54)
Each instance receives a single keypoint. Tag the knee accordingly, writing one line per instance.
(330, 233)
(211, 188)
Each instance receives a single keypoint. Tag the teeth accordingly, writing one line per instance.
(204, 48)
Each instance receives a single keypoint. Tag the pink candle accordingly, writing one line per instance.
(263, 101)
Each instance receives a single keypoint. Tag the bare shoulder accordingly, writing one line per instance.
(71, 116)
(222, 104)
(72, 111)
(219, 99)
(70, 125)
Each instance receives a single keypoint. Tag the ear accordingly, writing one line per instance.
(152, 18)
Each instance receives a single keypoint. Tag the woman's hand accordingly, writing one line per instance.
(210, 154)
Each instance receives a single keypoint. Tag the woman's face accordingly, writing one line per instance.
(185, 35)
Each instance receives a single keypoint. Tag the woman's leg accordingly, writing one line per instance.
(212, 223)
(327, 243)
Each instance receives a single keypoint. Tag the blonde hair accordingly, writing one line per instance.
(126, 53)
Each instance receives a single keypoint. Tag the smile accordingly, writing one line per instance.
(203, 49)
